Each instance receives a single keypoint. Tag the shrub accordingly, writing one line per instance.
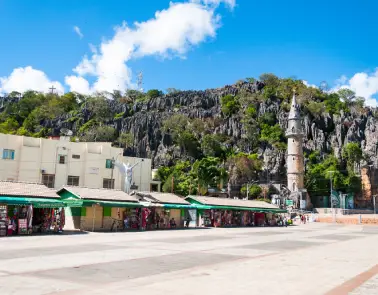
(230, 104)
(153, 93)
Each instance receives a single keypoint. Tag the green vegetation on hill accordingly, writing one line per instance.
(208, 155)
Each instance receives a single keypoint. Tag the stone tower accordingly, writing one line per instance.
(295, 160)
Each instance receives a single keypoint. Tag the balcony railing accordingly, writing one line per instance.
(295, 132)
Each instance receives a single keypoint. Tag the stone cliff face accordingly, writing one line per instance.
(323, 133)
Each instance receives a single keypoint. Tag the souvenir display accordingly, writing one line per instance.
(26, 220)
(3, 220)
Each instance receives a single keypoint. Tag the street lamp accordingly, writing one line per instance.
(111, 178)
(250, 183)
(331, 182)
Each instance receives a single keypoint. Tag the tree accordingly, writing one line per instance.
(172, 90)
(250, 80)
(352, 153)
(254, 191)
(315, 108)
(269, 79)
(178, 126)
(271, 134)
(207, 172)
(10, 126)
(133, 95)
(175, 124)
(268, 118)
(197, 126)
(333, 105)
(251, 112)
(211, 145)
(163, 173)
(180, 176)
(99, 134)
(126, 140)
(243, 167)
(347, 95)
(230, 104)
(153, 93)
(99, 108)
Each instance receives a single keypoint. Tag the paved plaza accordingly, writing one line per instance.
(308, 259)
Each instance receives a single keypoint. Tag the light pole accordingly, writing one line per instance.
(250, 183)
(374, 203)
(331, 185)
(111, 178)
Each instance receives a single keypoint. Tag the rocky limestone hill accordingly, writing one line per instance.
(326, 130)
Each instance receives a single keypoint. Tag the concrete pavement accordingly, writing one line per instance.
(308, 259)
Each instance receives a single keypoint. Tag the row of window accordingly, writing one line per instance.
(108, 162)
(9, 155)
(49, 181)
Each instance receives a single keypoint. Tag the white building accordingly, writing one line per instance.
(58, 162)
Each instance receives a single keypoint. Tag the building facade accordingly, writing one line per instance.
(58, 162)
(295, 159)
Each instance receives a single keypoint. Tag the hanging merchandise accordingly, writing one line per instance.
(3, 220)
(62, 219)
(22, 226)
(29, 217)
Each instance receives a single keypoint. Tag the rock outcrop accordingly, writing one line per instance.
(324, 133)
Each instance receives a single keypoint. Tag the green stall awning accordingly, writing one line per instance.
(36, 202)
(253, 209)
(88, 203)
(179, 206)
(72, 202)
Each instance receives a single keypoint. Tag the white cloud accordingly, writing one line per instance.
(77, 84)
(309, 85)
(78, 31)
(229, 3)
(363, 84)
(172, 32)
(23, 79)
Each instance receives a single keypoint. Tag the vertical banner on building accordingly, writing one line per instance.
(193, 217)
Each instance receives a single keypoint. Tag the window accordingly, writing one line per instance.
(62, 159)
(76, 157)
(8, 154)
(108, 183)
(48, 180)
(109, 164)
(294, 187)
(73, 180)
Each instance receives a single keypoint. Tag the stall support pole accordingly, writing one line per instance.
(94, 216)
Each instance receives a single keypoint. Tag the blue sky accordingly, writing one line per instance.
(317, 41)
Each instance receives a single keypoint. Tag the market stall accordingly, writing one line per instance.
(103, 209)
(27, 208)
(224, 212)
(168, 211)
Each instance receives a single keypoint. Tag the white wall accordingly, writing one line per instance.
(34, 155)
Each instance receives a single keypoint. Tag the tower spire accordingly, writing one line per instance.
(295, 160)
(294, 109)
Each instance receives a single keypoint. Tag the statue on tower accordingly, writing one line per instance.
(127, 171)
